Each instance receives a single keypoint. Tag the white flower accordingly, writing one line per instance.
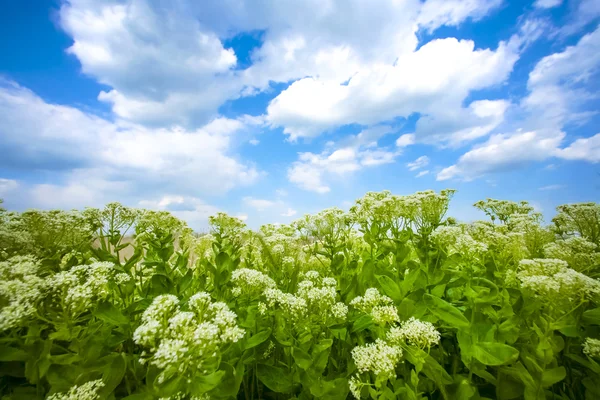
(591, 347)
(339, 310)
(87, 391)
(415, 332)
(250, 281)
(355, 386)
(379, 358)
(185, 342)
(380, 307)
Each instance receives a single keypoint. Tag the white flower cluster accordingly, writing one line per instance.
(591, 347)
(21, 288)
(457, 240)
(250, 281)
(415, 332)
(553, 279)
(355, 386)
(379, 306)
(378, 357)
(186, 342)
(87, 391)
(579, 253)
(315, 296)
(80, 287)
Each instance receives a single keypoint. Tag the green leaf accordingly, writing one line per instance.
(276, 379)
(113, 374)
(362, 323)
(591, 317)
(205, 383)
(494, 353)
(389, 287)
(257, 339)
(107, 312)
(8, 353)
(554, 375)
(302, 358)
(446, 311)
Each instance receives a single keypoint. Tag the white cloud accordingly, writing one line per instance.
(405, 140)
(557, 83)
(547, 3)
(162, 65)
(258, 204)
(557, 95)
(438, 76)
(352, 154)
(7, 186)
(504, 151)
(93, 155)
(457, 126)
(422, 173)
(168, 65)
(289, 213)
(586, 149)
(452, 12)
(551, 187)
(420, 162)
(254, 142)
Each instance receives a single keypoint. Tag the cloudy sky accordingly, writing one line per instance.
(271, 109)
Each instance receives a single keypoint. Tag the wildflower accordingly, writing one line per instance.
(250, 281)
(415, 332)
(552, 278)
(355, 386)
(87, 391)
(185, 342)
(20, 290)
(378, 357)
(591, 347)
(379, 306)
(82, 286)
(339, 310)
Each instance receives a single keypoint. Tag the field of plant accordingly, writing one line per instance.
(390, 300)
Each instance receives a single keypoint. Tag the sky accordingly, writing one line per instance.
(269, 109)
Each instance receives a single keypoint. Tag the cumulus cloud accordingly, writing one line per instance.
(438, 76)
(557, 95)
(422, 173)
(93, 155)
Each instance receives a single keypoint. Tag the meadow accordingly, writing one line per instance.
(392, 299)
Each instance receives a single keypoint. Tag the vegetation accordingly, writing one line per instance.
(391, 300)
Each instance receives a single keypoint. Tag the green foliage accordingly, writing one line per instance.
(392, 299)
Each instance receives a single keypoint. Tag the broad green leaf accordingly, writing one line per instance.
(257, 339)
(446, 311)
(107, 312)
(389, 287)
(205, 383)
(554, 375)
(362, 323)
(302, 358)
(8, 353)
(275, 378)
(112, 375)
(591, 317)
(494, 353)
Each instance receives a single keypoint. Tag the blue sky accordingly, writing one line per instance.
(269, 110)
